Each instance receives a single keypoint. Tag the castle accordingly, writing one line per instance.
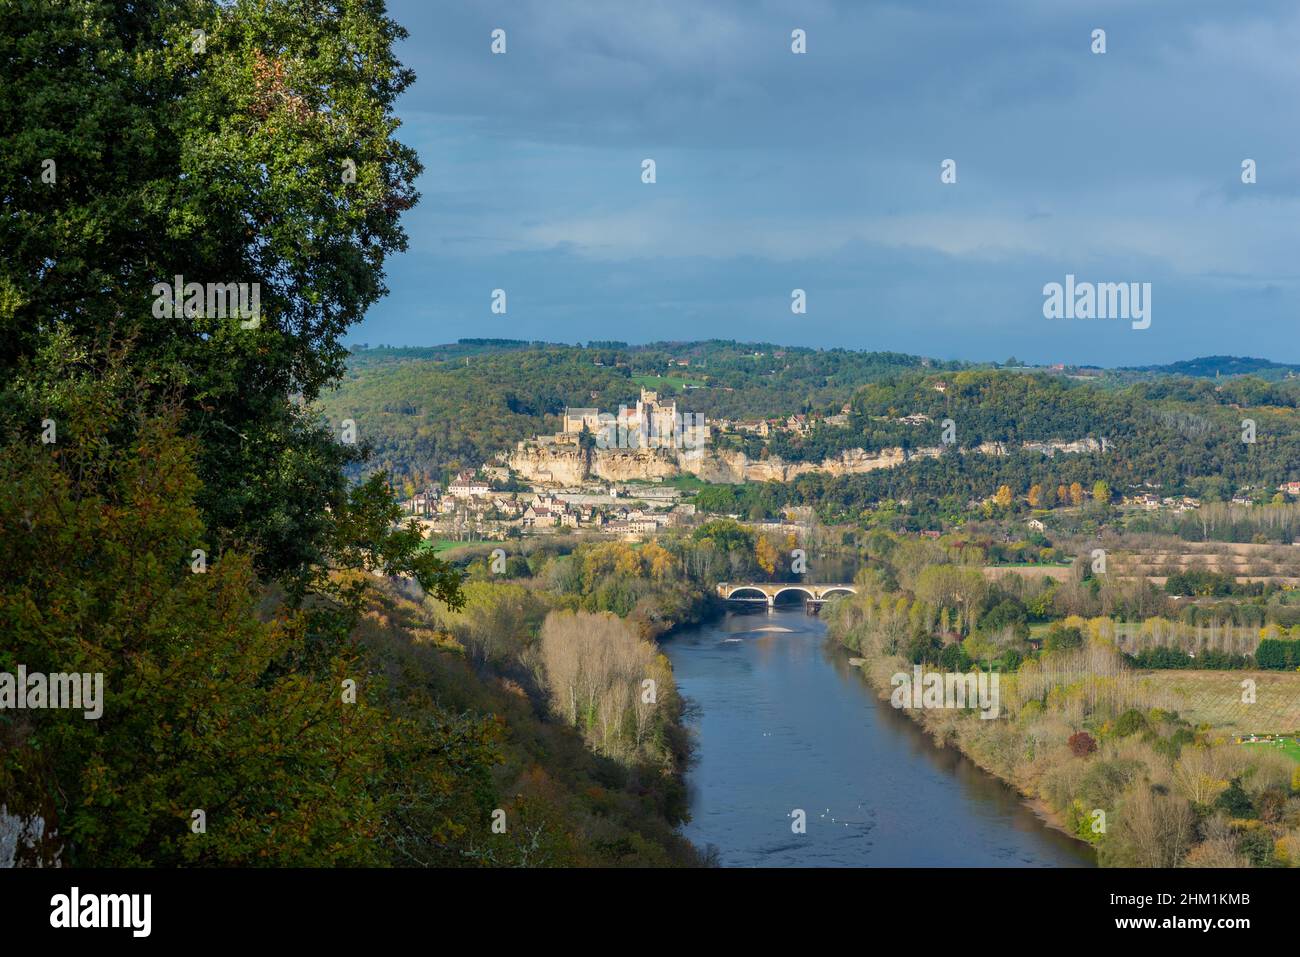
(650, 424)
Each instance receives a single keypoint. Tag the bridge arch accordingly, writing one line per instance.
(776, 594)
(755, 593)
(838, 590)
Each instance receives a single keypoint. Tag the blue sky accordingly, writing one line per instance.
(821, 171)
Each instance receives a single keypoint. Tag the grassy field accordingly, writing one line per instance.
(1214, 698)
(446, 544)
(1290, 747)
(664, 383)
(686, 482)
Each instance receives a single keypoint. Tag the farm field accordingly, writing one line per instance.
(665, 383)
(1214, 698)
(1245, 562)
(1289, 746)
(1059, 572)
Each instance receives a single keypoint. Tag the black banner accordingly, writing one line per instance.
(334, 907)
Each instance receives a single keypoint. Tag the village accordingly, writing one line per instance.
(471, 509)
(633, 499)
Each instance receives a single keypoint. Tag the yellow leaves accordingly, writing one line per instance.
(766, 555)
(659, 561)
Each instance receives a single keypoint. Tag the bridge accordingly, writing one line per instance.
(769, 592)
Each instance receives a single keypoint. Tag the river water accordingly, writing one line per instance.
(783, 721)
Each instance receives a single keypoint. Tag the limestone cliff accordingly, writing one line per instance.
(569, 466)
(625, 465)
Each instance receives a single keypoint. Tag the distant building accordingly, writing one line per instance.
(465, 485)
(577, 419)
(651, 423)
(536, 517)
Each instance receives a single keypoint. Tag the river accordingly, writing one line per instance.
(783, 721)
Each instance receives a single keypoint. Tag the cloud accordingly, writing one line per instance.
(825, 166)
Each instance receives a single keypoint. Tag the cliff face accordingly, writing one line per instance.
(624, 465)
(1080, 445)
(560, 466)
(570, 466)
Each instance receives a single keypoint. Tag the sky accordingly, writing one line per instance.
(821, 171)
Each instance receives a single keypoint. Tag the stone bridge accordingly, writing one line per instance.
(769, 592)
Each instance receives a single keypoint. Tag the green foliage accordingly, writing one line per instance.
(1061, 638)
(921, 649)
(207, 704)
(221, 166)
(1235, 801)
(1130, 722)
(1008, 613)
(953, 658)
(1258, 847)
(1278, 654)
(725, 535)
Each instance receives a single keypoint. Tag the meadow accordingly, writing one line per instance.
(1215, 698)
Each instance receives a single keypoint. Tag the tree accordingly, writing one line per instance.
(261, 161)
(1035, 495)
(1076, 493)
(660, 562)
(1235, 801)
(725, 534)
(207, 703)
(953, 658)
(595, 670)
(1060, 637)
(1101, 492)
(1152, 829)
(1002, 498)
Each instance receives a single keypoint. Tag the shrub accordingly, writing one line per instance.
(1082, 744)
(1130, 722)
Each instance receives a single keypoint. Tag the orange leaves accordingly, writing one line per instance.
(273, 92)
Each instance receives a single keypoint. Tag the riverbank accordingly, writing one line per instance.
(782, 724)
(879, 682)
(1084, 738)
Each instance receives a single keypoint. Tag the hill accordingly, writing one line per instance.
(1210, 367)
(429, 411)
